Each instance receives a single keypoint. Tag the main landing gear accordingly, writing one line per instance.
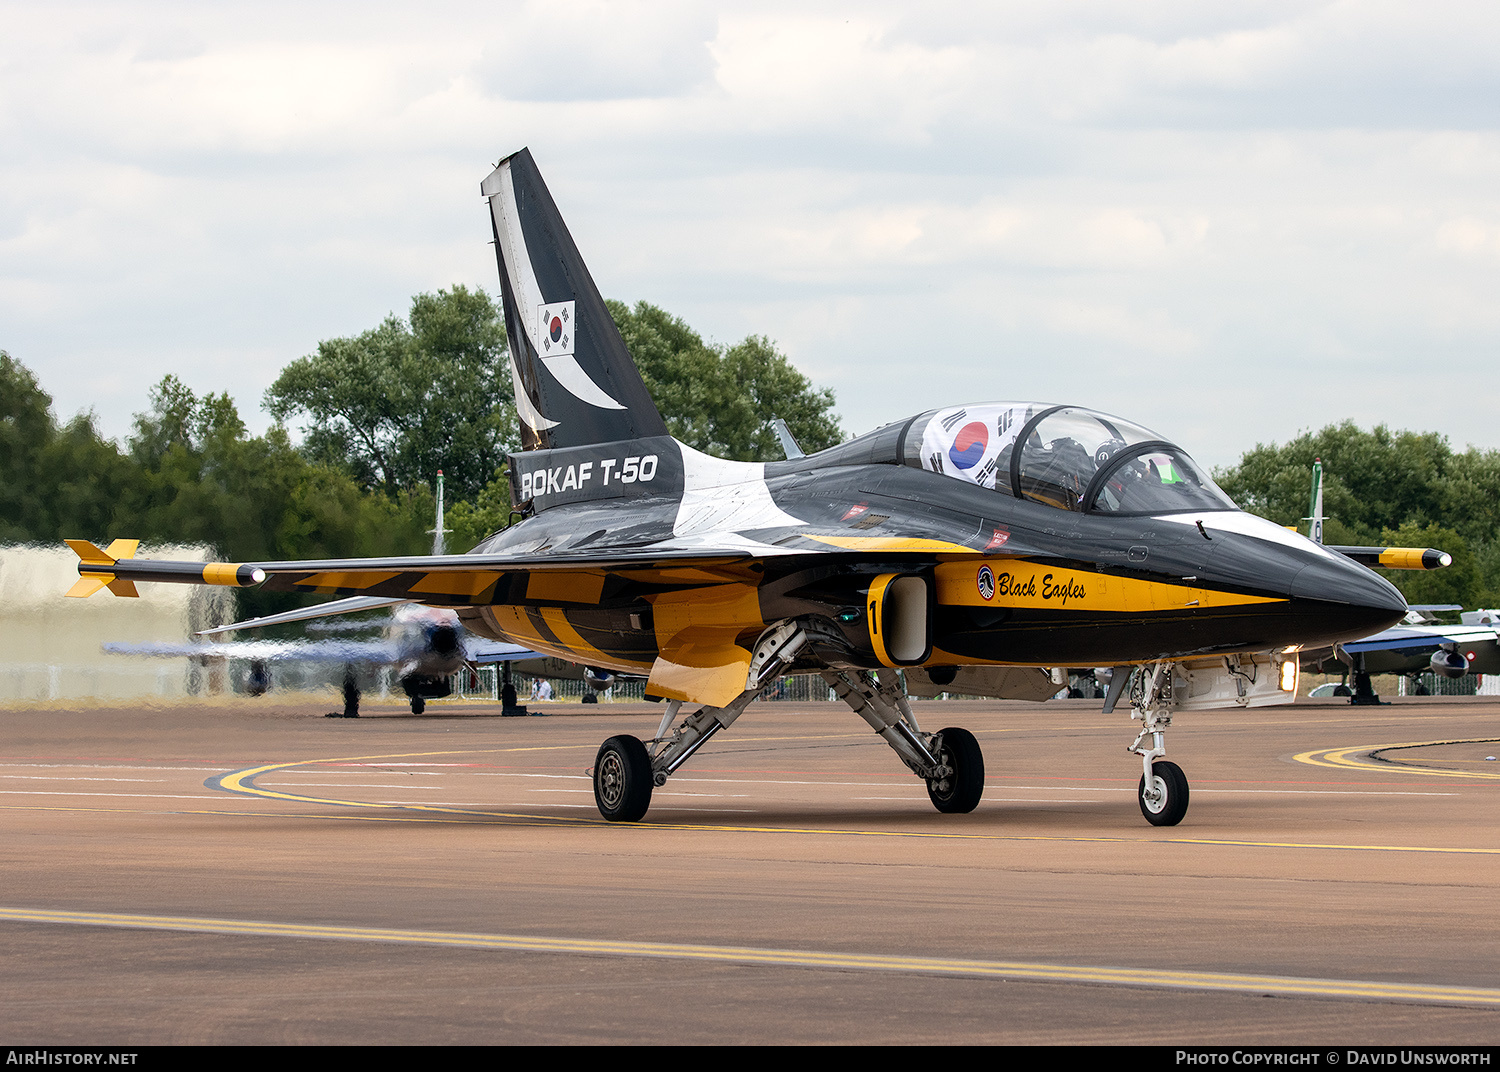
(1163, 789)
(626, 769)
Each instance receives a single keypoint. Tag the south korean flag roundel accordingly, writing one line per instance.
(554, 329)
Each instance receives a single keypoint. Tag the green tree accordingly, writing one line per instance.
(1371, 480)
(397, 403)
(55, 482)
(26, 431)
(203, 479)
(490, 512)
(721, 400)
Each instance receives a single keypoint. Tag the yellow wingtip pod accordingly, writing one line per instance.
(1414, 558)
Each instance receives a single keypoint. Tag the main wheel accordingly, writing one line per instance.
(622, 779)
(418, 705)
(959, 791)
(1168, 801)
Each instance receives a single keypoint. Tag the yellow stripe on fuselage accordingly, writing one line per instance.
(549, 586)
(891, 543)
(1014, 583)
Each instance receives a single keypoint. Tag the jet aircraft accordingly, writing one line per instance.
(424, 645)
(959, 543)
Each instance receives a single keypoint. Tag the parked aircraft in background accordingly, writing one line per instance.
(1420, 644)
(960, 542)
(424, 646)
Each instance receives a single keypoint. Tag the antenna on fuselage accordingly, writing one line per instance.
(788, 441)
(438, 543)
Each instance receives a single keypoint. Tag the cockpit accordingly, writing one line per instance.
(1067, 457)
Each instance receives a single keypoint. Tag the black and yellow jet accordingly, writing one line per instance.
(940, 551)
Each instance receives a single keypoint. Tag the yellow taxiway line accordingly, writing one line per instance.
(242, 782)
(1153, 978)
(1360, 758)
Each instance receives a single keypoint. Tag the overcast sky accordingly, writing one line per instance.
(1230, 222)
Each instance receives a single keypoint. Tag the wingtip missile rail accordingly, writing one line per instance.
(1402, 558)
(116, 568)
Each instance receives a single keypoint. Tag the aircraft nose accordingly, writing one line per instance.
(1358, 601)
(444, 640)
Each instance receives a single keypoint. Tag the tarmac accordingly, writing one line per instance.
(248, 871)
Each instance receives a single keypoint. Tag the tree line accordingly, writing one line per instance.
(379, 414)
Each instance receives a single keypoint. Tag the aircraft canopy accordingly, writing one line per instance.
(1067, 457)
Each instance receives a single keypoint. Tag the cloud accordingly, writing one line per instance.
(1229, 221)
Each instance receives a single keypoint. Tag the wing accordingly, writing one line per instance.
(1408, 640)
(452, 580)
(495, 651)
(322, 610)
(319, 651)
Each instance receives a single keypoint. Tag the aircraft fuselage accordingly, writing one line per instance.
(1009, 581)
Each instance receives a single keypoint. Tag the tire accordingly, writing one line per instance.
(418, 705)
(622, 779)
(960, 791)
(1169, 809)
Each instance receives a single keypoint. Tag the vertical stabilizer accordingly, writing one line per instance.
(1315, 505)
(439, 534)
(575, 381)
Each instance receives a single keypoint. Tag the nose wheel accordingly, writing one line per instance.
(1164, 794)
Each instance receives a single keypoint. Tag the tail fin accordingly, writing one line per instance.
(438, 533)
(575, 381)
(96, 568)
(1315, 504)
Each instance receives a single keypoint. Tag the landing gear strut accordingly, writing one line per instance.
(950, 762)
(351, 697)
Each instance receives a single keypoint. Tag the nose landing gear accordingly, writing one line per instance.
(1163, 790)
